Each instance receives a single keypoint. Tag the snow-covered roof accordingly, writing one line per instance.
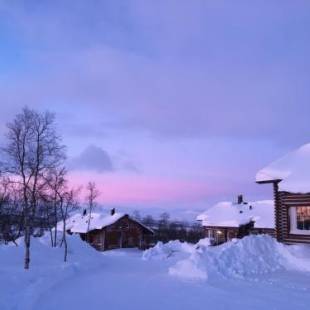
(293, 169)
(79, 223)
(229, 214)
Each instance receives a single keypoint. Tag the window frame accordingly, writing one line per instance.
(293, 222)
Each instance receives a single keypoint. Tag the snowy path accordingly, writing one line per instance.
(124, 281)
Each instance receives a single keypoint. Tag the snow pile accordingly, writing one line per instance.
(167, 250)
(229, 214)
(293, 169)
(244, 258)
(251, 256)
(189, 269)
(203, 243)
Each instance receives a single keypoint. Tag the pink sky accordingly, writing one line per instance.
(142, 190)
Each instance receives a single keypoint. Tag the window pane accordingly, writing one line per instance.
(303, 218)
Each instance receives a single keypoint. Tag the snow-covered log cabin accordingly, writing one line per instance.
(105, 232)
(227, 220)
(290, 177)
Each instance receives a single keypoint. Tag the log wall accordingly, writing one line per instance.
(283, 202)
(125, 233)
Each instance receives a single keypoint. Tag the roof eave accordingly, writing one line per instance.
(269, 181)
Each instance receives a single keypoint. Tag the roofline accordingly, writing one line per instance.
(234, 227)
(269, 181)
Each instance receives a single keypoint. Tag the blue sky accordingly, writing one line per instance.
(178, 103)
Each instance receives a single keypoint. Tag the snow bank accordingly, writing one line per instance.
(47, 269)
(189, 269)
(246, 258)
(170, 249)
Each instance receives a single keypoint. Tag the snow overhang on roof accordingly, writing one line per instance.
(79, 224)
(292, 171)
(228, 214)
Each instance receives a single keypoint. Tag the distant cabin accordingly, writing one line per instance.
(228, 220)
(110, 231)
(290, 177)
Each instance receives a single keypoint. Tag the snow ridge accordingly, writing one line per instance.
(246, 258)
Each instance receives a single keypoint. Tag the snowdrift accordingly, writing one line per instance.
(21, 288)
(246, 258)
(168, 250)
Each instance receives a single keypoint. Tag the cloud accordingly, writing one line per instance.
(172, 71)
(93, 158)
(168, 68)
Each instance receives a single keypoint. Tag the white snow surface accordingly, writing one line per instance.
(241, 258)
(229, 214)
(293, 169)
(78, 223)
(253, 273)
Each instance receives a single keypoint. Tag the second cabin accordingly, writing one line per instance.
(290, 177)
(105, 232)
(228, 220)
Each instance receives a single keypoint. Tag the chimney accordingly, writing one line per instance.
(112, 212)
(240, 199)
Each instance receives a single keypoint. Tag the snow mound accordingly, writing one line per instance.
(189, 269)
(256, 255)
(246, 258)
(203, 243)
(170, 249)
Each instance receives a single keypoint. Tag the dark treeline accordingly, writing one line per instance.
(166, 229)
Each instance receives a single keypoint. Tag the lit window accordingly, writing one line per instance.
(303, 218)
(300, 220)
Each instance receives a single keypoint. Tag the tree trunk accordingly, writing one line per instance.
(27, 248)
(51, 235)
(55, 232)
(66, 249)
(64, 237)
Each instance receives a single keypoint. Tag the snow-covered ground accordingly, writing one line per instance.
(253, 273)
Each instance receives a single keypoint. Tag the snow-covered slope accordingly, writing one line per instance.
(228, 214)
(293, 169)
(253, 273)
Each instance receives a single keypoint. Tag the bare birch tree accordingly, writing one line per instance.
(68, 203)
(33, 148)
(92, 194)
(64, 201)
